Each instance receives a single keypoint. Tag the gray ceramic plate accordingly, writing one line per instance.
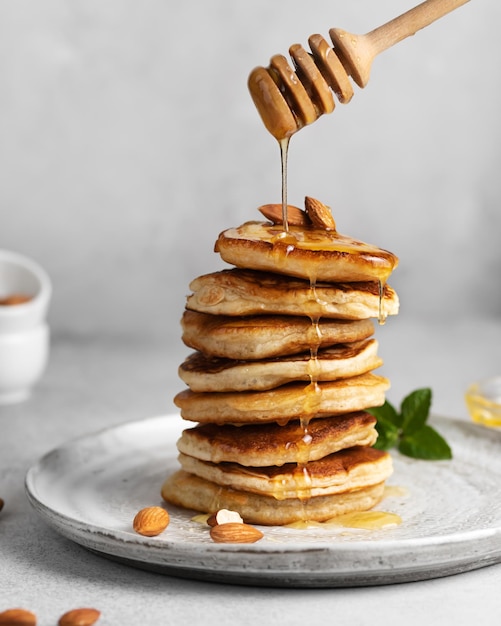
(90, 489)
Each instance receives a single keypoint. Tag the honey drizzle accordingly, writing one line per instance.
(284, 152)
(366, 520)
(313, 391)
(381, 312)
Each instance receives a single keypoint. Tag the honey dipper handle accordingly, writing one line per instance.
(358, 51)
(410, 22)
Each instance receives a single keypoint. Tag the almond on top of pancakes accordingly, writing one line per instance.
(282, 373)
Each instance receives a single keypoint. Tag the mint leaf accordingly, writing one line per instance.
(388, 434)
(407, 430)
(426, 444)
(415, 409)
(387, 412)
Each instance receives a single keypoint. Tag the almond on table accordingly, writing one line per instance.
(79, 617)
(17, 617)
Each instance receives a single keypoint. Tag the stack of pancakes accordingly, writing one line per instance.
(282, 375)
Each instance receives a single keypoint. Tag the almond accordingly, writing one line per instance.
(13, 299)
(235, 532)
(224, 516)
(319, 214)
(17, 617)
(79, 617)
(295, 216)
(151, 521)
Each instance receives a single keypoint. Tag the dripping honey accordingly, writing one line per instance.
(284, 240)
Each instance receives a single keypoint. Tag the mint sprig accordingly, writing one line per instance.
(407, 429)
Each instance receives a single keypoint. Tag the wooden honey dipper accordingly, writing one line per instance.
(289, 98)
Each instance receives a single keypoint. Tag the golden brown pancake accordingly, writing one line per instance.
(192, 492)
(292, 401)
(247, 292)
(210, 374)
(271, 444)
(346, 470)
(266, 336)
(308, 253)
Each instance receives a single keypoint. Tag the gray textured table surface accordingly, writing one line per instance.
(100, 382)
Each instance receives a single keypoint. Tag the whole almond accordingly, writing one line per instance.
(17, 617)
(224, 516)
(235, 532)
(79, 617)
(13, 299)
(151, 521)
(295, 216)
(319, 214)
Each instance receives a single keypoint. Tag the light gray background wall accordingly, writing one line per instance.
(128, 140)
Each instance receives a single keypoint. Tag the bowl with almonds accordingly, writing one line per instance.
(25, 293)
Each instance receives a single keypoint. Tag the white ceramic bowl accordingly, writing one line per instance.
(23, 358)
(21, 275)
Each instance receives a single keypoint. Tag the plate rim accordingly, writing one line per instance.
(98, 539)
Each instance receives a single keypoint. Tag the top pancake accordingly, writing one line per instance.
(237, 292)
(308, 253)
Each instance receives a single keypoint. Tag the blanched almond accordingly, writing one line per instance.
(235, 532)
(224, 516)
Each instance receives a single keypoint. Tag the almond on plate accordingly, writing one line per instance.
(235, 532)
(151, 521)
(224, 516)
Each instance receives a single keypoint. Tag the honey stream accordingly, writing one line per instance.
(313, 391)
(284, 155)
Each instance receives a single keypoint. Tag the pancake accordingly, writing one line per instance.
(211, 374)
(192, 492)
(272, 444)
(295, 400)
(347, 470)
(266, 336)
(247, 292)
(309, 253)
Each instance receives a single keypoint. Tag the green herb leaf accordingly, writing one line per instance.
(426, 444)
(388, 434)
(408, 431)
(415, 409)
(388, 413)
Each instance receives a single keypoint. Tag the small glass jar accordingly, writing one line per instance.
(483, 399)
